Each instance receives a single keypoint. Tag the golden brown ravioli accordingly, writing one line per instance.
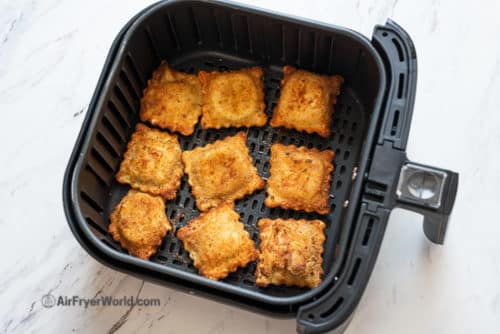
(172, 100)
(290, 252)
(233, 99)
(299, 178)
(139, 223)
(221, 172)
(217, 242)
(152, 162)
(306, 101)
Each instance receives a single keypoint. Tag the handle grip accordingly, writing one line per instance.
(429, 191)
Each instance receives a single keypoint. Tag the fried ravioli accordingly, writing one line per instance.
(221, 172)
(152, 162)
(232, 99)
(306, 101)
(172, 100)
(290, 252)
(299, 178)
(139, 223)
(217, 242)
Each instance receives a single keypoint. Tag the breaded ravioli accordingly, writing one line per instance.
(152, 162)
(221, 172)
(232, 99)
(139, 223)
(306, 101)
(217, 242)
(299, 178)
(172, 100)
(290, 252)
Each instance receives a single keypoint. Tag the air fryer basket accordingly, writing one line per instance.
(370, 128)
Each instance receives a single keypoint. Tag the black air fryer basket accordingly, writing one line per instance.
(370, 130)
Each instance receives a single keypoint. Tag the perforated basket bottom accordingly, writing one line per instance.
(346, 140)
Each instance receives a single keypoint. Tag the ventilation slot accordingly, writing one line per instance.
(375, 191)
(96, 155)
(368, 232)
(123, 100)
(171, 30)
(196, 26)
(118, 116)
(314, 64)
(395, 121)
(105, 143)
(399, 49)
(401, 85)
(233, 33)
(332, 309)
(99, 178)
(112, 130)
(374, 197)
(135, 72)
(111, 245)
(217, 29)
(152, 44)
(96, 226)
(330, 56)
(93, 204)
(131, 90)
(354, 271)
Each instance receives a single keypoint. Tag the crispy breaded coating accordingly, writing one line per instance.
(299, 178)
(152, 162)
(217, 242)
(172, 100)
(221, 172)
(233, 99)
(290, 252)
(306, 101)
(139, 223)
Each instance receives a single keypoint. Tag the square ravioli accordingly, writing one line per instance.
(299, 178)
(152, 162)
(290, 252)
(172, 100)
(306, 101)
(221, 172)
(139, 223)
(217, 242)
(232, 99)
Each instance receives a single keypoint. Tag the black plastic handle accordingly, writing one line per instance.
(392, 177)
(431, 192)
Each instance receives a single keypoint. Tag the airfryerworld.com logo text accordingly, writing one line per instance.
(66, 301)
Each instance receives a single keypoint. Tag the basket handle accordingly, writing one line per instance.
(393, 181)
(429, 191)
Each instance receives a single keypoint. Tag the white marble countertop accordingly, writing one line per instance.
(51, 53)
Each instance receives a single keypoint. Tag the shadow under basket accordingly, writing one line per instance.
(369, 132)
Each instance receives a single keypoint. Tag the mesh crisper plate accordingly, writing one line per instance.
(348, 132)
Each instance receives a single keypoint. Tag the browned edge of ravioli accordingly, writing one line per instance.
(181, 91)
(281, 115)
(139, 142)
(213, 256)
(139, 223)
(290, 252)
(319, 203)
(209, 118)
(206, 200)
